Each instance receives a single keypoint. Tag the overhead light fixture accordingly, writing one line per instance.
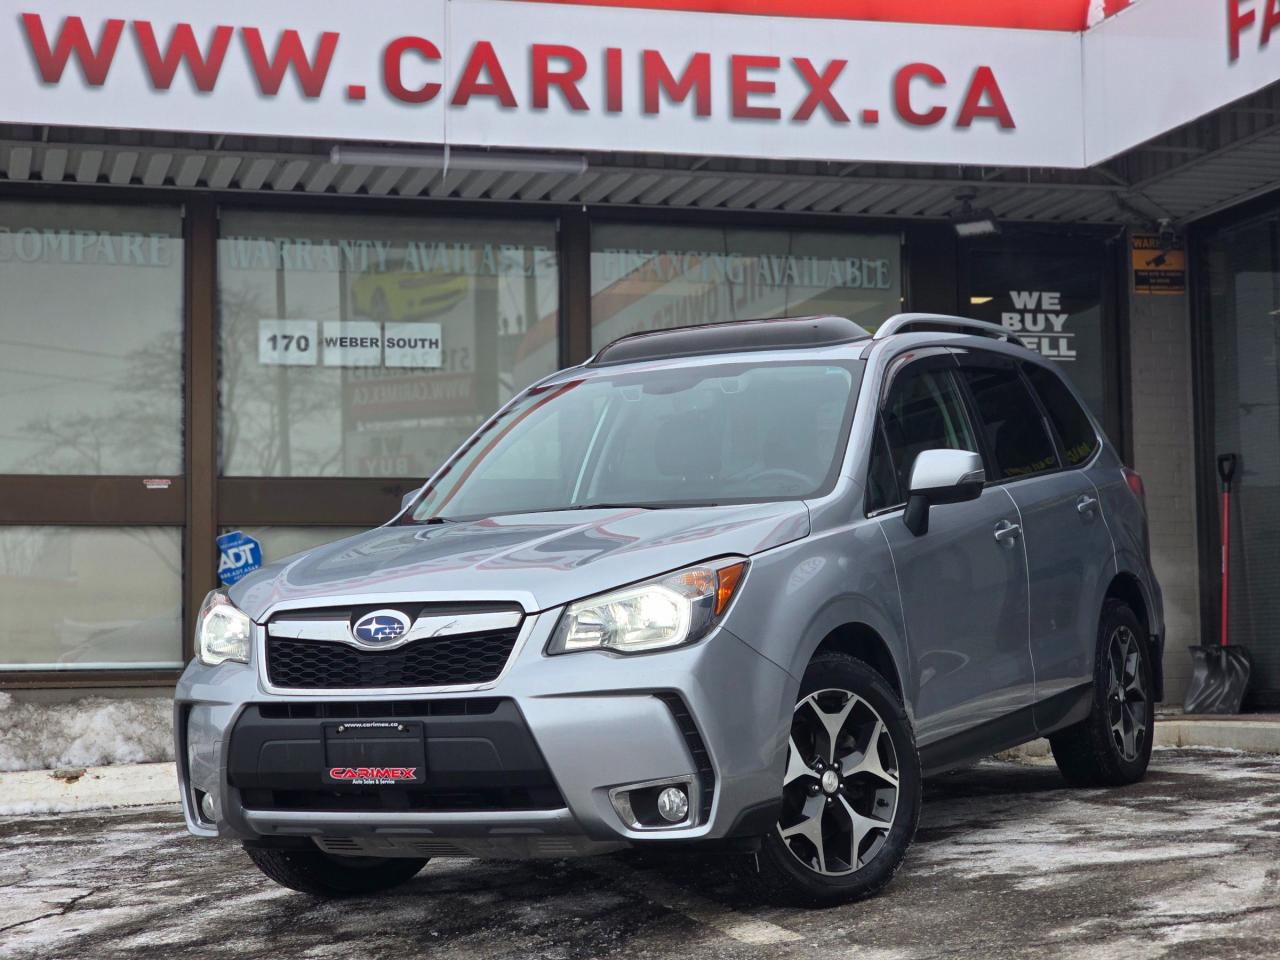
(978, 300)
(447, 158)
(971, 221)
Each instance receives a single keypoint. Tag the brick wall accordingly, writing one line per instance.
(1164, 453)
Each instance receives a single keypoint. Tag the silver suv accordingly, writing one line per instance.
(739, 586)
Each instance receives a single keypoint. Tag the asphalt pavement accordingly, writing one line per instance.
(1008, 863)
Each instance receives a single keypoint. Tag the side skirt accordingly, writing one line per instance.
(1004, 733)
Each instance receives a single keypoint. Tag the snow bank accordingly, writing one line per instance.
(29, 792)
(84, 733)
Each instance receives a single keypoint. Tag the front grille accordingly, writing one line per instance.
(540, 796)
(379, 709)
(431, 662)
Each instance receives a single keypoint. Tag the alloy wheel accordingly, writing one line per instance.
(840, 791)
(1127, 705)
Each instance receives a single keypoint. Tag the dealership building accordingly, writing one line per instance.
(263, 266)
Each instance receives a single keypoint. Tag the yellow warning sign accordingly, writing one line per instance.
(1158, 266)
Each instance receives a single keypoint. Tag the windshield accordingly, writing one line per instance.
(685, 436)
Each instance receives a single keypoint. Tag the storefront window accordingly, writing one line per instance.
(79, 598)
(372, 346)
(1050, 295)
(650, 277)
(91, 375)
(1243, 300)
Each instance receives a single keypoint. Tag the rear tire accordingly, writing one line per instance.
(324, 875)
(851, 799)
(1112, 747)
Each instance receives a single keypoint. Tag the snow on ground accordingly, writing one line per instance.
(84, 733)
(1009, 864)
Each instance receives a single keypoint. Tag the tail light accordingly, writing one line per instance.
(1134, 480)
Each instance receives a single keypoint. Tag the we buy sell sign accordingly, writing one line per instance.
(994, 82)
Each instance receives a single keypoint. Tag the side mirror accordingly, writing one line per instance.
(408, 498)
(941, 476)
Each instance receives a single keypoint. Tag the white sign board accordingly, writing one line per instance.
(500, 73)
(542, 75)
(1157, 65)
(352, 343)
(414, 345)
(287, 343)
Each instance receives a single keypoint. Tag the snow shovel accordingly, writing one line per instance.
(1220, 674)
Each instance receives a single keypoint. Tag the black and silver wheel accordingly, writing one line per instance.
(851, 790)
(325, 875)
(1113, 746)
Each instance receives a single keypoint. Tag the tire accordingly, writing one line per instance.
(324, 875)
(861, 706)
(1112, 746)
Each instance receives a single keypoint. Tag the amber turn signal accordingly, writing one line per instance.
(726, 583)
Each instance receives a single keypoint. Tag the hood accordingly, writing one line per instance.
(540, 559)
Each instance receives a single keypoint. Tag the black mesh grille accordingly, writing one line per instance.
(697, 749)
(319, 665)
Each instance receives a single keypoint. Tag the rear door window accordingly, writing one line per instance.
(1075, 431)
(1010, 420)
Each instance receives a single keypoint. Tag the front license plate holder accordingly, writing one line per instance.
(374, 753)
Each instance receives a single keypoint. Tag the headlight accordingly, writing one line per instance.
(669, 611)
(222, 631)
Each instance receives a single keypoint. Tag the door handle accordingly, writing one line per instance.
(1007, 532)
(1086, 505)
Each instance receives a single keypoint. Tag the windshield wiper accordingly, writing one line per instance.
(613, 506)
(667, 505)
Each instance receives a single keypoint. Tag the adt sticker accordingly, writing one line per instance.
(238, 556)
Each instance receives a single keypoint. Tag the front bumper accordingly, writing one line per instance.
(520, 767)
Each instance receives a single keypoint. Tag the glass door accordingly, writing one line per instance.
(1055, 294)
(1241, 331)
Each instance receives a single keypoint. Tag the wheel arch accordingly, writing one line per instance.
(860, 640)
(1127, 588)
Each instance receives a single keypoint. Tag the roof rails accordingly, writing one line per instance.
(735, 336)
(942, 323)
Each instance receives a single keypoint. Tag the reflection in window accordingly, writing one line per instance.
(372, 346)
(655, 277)
(80, 598)
(280, 543)
(90, 339)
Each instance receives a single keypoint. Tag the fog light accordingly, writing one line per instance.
(206, 808)
(673, 804)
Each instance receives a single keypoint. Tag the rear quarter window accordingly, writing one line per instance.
(1079, 439)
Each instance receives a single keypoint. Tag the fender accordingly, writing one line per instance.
(836, 578)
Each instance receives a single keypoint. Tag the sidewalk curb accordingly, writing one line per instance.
(1218, 733)
(25, 792)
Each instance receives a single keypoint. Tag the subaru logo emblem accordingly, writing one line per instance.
(381, 626)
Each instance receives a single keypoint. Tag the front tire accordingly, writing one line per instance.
(324, 875)
(1112, 747)
(851, 791)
